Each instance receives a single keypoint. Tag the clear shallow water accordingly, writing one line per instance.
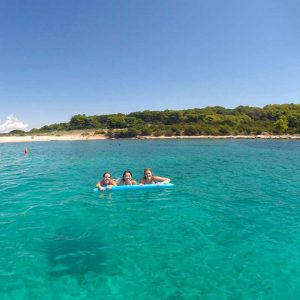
(230, 229)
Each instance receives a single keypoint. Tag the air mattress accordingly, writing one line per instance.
(137, 187)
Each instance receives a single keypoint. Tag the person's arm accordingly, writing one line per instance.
(99, 186)
(133, 182)
(161, 180)
(142, 181)
(111, 184)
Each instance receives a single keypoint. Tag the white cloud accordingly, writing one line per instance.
(12, 123)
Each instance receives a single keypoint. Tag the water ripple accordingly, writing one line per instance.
(229, 229)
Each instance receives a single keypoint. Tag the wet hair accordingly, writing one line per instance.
(125, 173)
(148, 169)
(105, 174)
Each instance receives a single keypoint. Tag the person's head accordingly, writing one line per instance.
(127, 176)
(106, 177)
(148, 173)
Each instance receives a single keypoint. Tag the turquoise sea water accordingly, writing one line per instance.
(230, 229)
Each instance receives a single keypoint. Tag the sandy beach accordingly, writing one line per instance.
(48, 138)
(80, 137)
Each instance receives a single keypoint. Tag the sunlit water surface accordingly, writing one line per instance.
(230, 229)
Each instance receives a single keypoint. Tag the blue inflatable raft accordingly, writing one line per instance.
(137, 187)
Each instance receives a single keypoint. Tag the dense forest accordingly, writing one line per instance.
(216, 120)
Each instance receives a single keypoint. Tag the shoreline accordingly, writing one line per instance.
(80, 137)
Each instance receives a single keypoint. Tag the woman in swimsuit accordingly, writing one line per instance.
(106, 182)
(127, 179)
(149, 178)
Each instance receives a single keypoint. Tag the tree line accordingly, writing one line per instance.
(214, 120)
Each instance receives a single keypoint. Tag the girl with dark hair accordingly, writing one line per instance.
(127, 179)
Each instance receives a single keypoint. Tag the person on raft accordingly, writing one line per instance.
(127, 179)
(149, 178)
(106, 182)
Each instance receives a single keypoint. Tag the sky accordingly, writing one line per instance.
(59, 58)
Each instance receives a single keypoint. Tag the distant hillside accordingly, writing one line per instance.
(215, 120)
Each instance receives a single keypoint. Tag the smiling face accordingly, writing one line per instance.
(106, 178)
(127, 177)
(148, 174)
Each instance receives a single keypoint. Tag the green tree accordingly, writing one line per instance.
(146, 131)
(169, 132)
(284, 118)
(79, 122)
(128, 133)
(17, 132)
(190, 130)
(281, 125)
(171, 117)
(225, 130)
(213, 119)
(116, 121)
